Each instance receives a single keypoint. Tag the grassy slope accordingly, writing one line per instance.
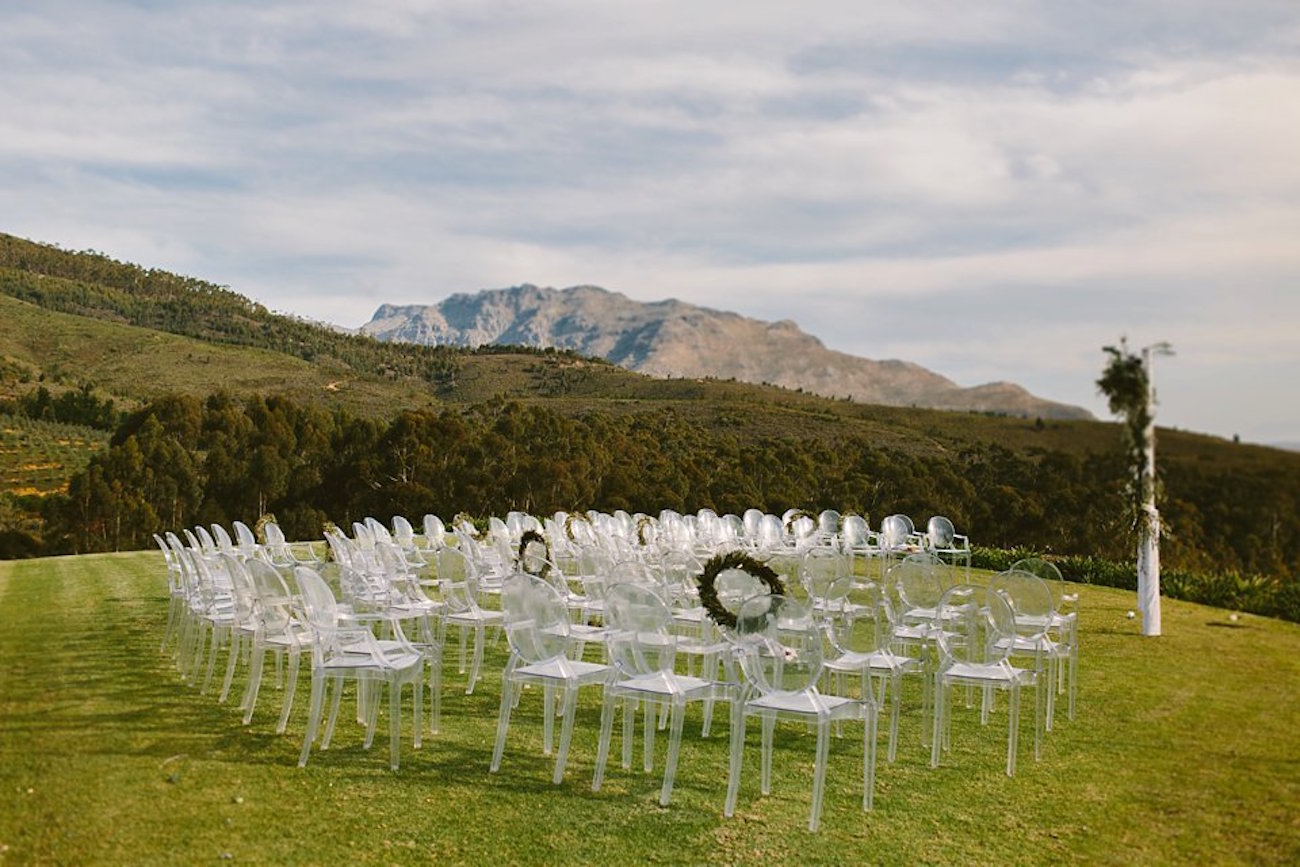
(1181, 753)
(134, 364)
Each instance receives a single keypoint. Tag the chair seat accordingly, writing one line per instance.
(977, 673)
(561, 669)
(805, 704)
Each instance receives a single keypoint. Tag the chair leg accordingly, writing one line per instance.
(737, 757)
(606, 732)
(394, 723)
(503, 722)
(1013, 736)
(290, 687)
(313, 716)
(819, 773)
(249, 700)
(566, 733)
(674, 748)
(869, 756)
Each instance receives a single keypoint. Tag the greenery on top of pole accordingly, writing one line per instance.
(1127, 387)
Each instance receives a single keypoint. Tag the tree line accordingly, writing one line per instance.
(180, 461)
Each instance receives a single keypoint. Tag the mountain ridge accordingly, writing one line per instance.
(673, 338)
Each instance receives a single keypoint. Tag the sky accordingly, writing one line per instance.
(993, 190)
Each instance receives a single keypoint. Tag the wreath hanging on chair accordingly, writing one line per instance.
(737, 561)
(530, 537)
(646, 530)
(573, 520)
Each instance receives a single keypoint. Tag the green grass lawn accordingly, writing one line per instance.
(1184, 751)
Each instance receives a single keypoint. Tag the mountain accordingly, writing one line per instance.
(675, 339)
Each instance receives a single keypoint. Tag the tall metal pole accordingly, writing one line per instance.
(1148, 564)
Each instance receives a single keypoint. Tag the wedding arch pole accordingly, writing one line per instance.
(1128, 384)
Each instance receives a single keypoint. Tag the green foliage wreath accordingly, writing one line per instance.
(722, 563)
(525, 540)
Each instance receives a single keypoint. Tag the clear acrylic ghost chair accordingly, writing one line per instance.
(858, 543)
(974, 650)
(829, 524)
(916, 583)
(175, 592)
(779, 647)
(862, 645)
(943, 540)
(460, 593)
(244, 625)
(279, 631)
(1064, 626)
(824, 574)
(225, 544)
(404, 537)
(245, 541)
(435, 533)
(642, 646)
(343, 651)
(537, 628)
(898, 537)
(1033, 608)
(284, 554)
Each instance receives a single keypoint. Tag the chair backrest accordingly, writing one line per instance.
(222, 537)
(640, 639)
(854, 532)
(1046, 570)
(977, 626)
(771, 533)
(244, 537)
(274, 535)
(824, 574)
(895, 529)
(435, 531)
(780, 644)
(536, 618)
(940, 533)
(275, 602)
(242, 592)
(534, 556)
(828, 522)
(319, 606)
(1030, 597)
(378, 532)
(918, 580)
(403, 532)
(679, 570)
(205, 540)
(867, 625)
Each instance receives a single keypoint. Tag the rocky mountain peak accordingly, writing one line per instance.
(674, 338)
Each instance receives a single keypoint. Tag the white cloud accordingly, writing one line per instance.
(994, 190)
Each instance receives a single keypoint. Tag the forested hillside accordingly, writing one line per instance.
(232, 411)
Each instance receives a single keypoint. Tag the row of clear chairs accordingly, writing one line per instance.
(642, 611)
(238, 598)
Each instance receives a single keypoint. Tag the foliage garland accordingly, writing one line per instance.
(644, 523)
(524, 540)
(463, 518)
(569, 522)
(720, 563)
(259, 529)
(796, 515)
(1127, 390)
